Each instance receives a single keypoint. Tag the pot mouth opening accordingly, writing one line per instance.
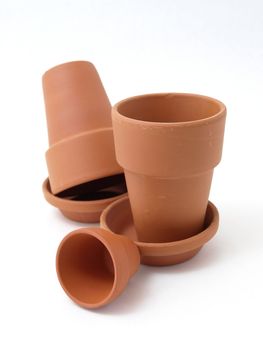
(170, 108)
(86, 269)
(103, 188)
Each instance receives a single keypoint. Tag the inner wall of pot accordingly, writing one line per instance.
(169, 108)
(103, 188)
(86, 268)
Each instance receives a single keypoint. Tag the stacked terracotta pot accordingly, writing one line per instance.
(84, 176)
(168, 145)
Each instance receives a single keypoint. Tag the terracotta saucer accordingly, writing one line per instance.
(117, 218)
(86, 202)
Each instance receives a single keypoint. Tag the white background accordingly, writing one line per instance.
(211, 47)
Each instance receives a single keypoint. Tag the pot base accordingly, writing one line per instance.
(117, 218)
(85, 211)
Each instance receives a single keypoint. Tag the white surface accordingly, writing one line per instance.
(210, 47)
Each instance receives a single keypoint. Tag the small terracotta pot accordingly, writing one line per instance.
(79, 126)
(117, 218)
(168, 145)
(86, 204)
(94, 266)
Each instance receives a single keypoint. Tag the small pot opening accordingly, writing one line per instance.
(85, 268)
(103, 188)
(169, 108)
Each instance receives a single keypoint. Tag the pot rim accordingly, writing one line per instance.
(89, 165)
(213, 118)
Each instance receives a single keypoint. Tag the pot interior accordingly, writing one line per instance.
(169, 108)
(86, 268)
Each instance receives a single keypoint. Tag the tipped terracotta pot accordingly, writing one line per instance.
(117, 218)
(86, 203)
(168, 145)
(94, 266)
(79, 126)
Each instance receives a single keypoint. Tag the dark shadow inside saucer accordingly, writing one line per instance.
(104, 188)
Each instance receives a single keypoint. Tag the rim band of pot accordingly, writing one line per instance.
(81, 158)
(168, 149)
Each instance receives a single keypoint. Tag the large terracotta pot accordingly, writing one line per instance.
(168, 145)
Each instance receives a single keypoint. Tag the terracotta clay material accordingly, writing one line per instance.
(94, 266)
(117, 218)
(85, 204)
(79, 124)
(168, 145)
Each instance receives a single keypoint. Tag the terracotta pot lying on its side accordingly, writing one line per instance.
(168, 145)
(94, 266)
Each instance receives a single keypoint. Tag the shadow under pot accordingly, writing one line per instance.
(85, 203)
